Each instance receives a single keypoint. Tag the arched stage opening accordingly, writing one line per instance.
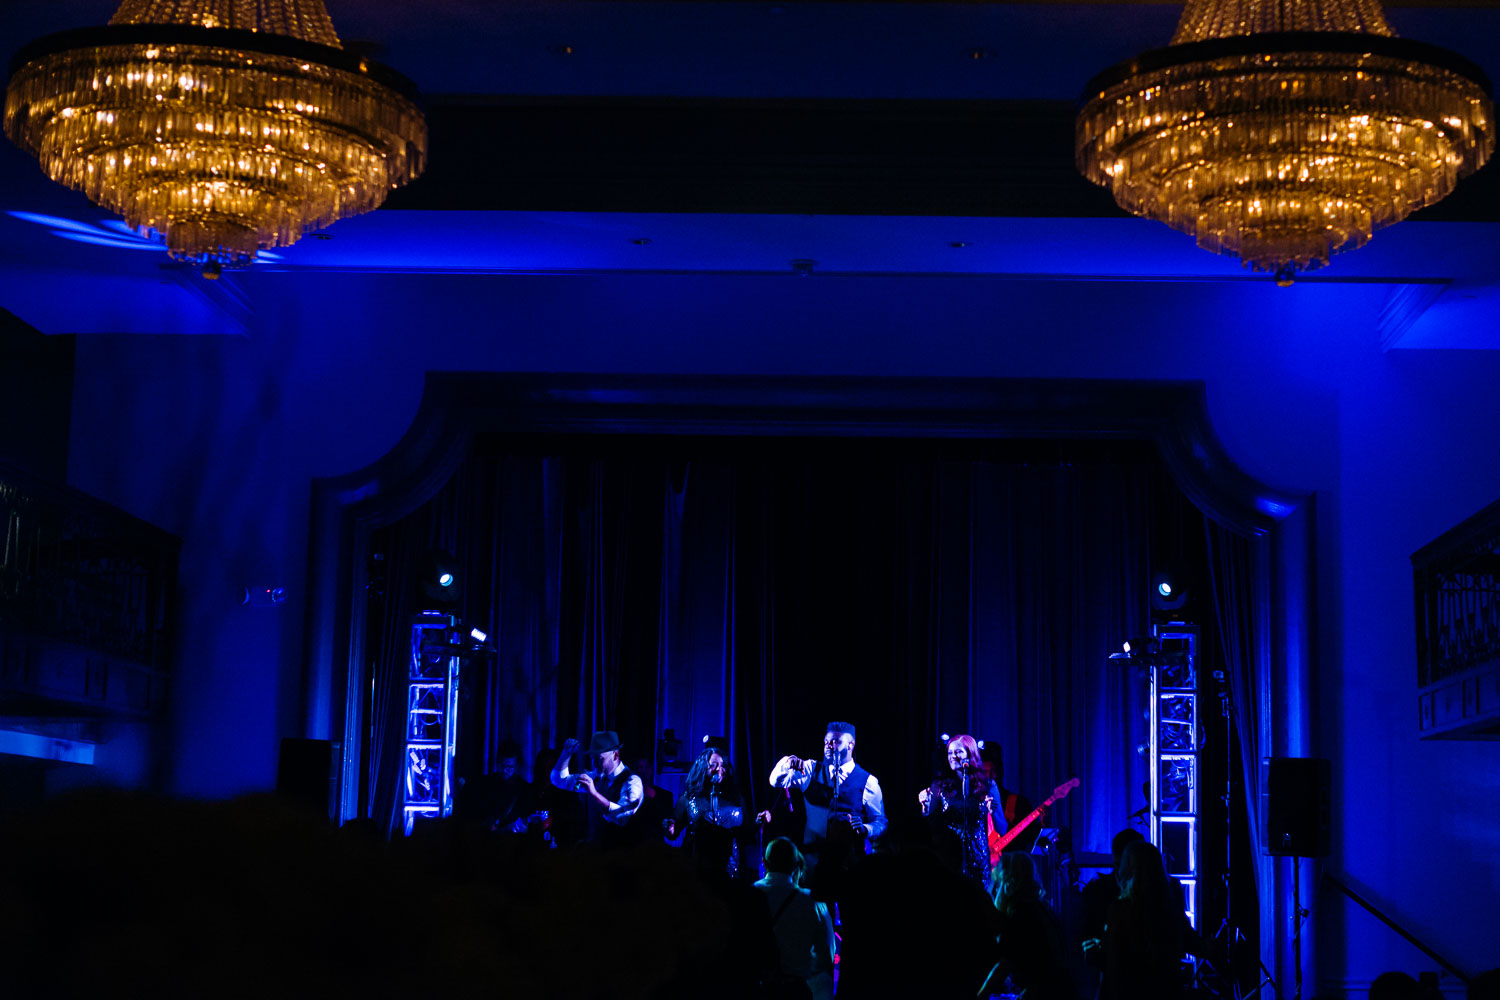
(750, 557)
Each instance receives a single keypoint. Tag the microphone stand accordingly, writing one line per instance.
(967, 822)
(760, 849)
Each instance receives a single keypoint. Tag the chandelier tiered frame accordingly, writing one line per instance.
(225, 141)
(1285, 147)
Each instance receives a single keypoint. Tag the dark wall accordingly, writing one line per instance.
(36, 396)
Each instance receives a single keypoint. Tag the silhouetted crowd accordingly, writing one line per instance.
(111, 894)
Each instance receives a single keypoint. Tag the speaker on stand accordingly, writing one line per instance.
(1294, 815)
(1294, 806)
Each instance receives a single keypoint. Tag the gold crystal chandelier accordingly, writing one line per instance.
(227, 126)
(1284, 132)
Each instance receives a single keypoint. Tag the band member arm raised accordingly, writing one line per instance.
(607, 764)
(838, 758)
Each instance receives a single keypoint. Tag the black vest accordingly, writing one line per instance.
(600, 830)
(824, 804)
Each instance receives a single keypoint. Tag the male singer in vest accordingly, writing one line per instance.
(845, 808)
(611, 792)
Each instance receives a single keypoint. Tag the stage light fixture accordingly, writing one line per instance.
(1142, 648)
(1169, 589)
(477, 635)
(438, 582)
(668, 749)
(264, 597)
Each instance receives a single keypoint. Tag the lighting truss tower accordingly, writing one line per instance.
(431, 718)
(1175, 744)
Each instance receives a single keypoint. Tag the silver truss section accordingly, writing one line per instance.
(1175, 758)
(431, 718)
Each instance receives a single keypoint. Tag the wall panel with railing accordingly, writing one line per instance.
(1457, 589)
(86, 596)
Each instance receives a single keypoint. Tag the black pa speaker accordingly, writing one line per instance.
(1294, 806)
(307, 774)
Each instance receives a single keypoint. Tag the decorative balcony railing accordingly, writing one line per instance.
(85, 603)
(1457, 581)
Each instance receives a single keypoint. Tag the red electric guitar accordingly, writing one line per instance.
(999, 840)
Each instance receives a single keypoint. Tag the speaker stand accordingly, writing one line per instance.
(1227, 939)
(1299, 914)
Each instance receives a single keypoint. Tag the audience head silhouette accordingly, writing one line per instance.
(783, 857)
(1014, 882)
(1395, 986)
(1141, 873)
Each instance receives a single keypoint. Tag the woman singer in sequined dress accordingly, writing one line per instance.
(709, 814)
(960, 805)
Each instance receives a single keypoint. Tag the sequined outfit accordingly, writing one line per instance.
(709, 828)
(957, 816)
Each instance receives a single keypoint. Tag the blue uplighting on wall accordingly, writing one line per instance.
(53, 221)
(1273, 507)
(40, 747)
(107, 233)
(105, 241)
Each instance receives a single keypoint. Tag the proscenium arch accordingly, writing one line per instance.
(458, 407)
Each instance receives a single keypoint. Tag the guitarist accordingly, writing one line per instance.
(1014, 806)
(495, 800)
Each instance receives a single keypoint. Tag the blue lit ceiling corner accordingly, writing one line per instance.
(105, 233)
(70, 276)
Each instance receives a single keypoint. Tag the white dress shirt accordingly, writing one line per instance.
(783, 775)
(632, 793)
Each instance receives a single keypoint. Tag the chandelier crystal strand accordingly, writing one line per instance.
(1204, 19)
(224, 141)
(1284, 132)
(304, 19)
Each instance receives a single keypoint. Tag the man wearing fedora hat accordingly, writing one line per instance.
(611, 792)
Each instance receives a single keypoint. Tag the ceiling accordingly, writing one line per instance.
(68, 269)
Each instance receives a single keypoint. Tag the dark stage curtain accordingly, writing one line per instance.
(1237, 570)
(757, 590)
